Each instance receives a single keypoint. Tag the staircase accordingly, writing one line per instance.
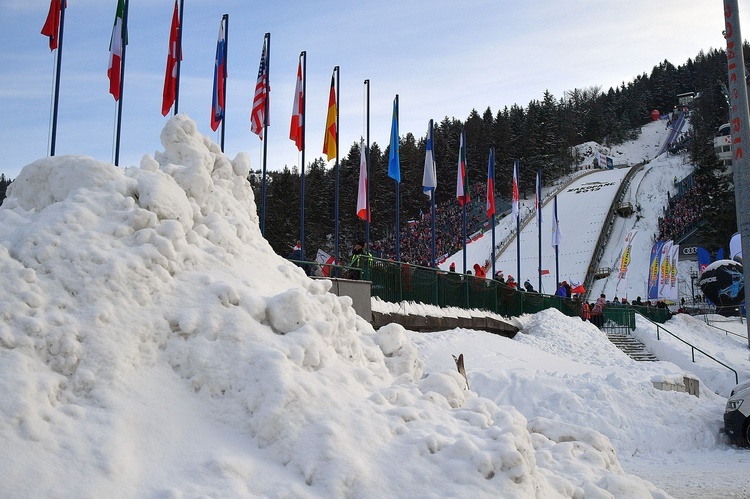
(632, 347)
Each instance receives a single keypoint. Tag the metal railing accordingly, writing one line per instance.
(726, 332)
(693, 348)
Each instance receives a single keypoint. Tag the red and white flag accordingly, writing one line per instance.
(363, 210)
(114, 72)
(298, 120)
(258, 118)
(175, 54)
(51, 26)
(514, 210)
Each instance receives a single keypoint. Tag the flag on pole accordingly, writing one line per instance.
(394, 163)
(429, 177)
(462, 191)
(298, 120)
(538, 201)
(363, 211)
(329, 141)
(114, 72)
(170, 76)
(220, 74)
(491, 184)
(556, 235)
(51, 26)
(258, 117)
(514, 210)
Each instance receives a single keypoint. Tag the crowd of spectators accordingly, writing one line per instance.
(682, 213)
(415, 242)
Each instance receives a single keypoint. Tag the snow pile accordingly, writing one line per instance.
(153, 344)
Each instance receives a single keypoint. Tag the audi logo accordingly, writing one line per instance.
(690, 250)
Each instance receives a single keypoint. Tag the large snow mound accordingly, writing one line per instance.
(152, 343)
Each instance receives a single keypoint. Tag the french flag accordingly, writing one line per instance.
(220, 74)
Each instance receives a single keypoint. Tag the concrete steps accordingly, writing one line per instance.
(631, 346)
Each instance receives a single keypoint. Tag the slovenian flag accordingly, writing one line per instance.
(218, 101)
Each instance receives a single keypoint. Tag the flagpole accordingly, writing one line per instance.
(398, 198)
(463, 225)
(303, 55)
(265, 137)
(179, 63)
(225, 20)
(539, 222)
(492, 222)
(432, 206)
(463, 205)
(557, 246)
(336, 196)
(124, 37)
(58, 66)
(367, 159)
(518, 230)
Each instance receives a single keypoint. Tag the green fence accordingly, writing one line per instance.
(395, 282)
(619, 318)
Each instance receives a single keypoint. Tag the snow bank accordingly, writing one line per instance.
(153, 344)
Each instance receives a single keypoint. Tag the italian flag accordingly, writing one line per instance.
(115, 51)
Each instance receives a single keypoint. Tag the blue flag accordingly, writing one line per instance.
(394, 165)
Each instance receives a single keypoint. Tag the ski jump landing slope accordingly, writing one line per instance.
(582, 208)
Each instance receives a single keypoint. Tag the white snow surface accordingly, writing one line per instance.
(153, 345)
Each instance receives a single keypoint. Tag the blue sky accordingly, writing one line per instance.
(443, 59)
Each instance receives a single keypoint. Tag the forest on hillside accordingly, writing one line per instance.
(540, 135)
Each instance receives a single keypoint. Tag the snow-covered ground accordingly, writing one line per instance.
(153, 345)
